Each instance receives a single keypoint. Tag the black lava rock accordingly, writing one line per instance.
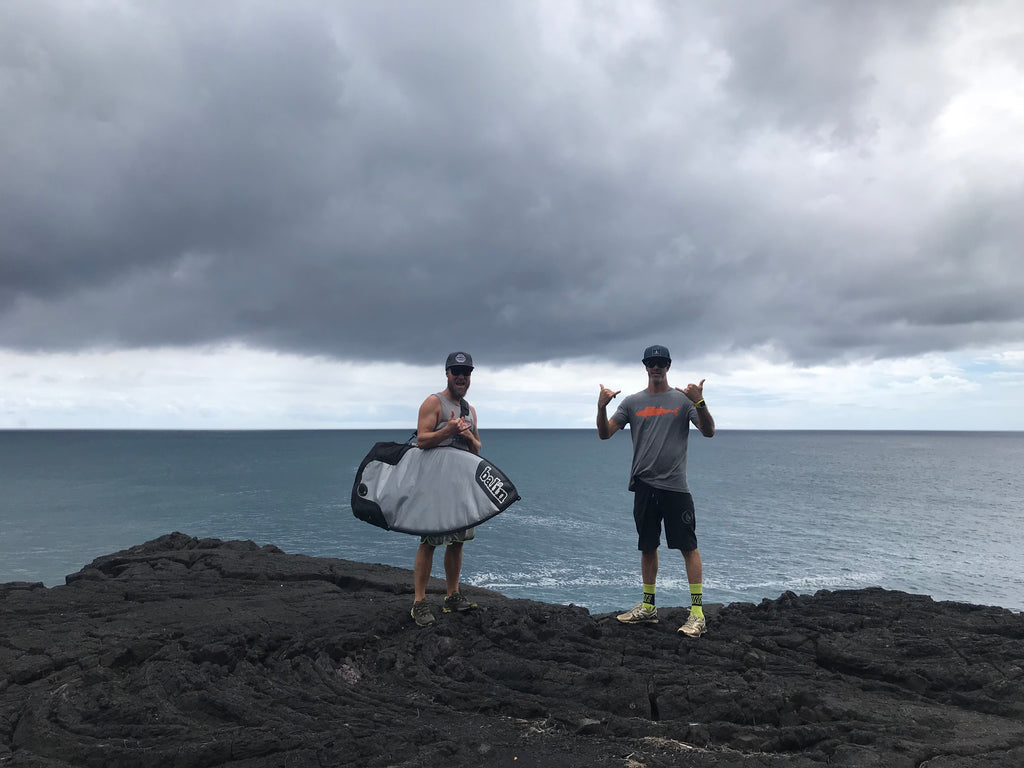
(199, 653)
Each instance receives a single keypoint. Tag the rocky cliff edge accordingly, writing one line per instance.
(198, 652)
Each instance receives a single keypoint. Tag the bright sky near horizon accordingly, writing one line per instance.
(258, 215)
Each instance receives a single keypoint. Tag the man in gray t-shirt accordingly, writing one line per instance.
(659, 420)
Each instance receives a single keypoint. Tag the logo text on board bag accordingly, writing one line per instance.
(499, 490)
(491, 479)
(493, 484)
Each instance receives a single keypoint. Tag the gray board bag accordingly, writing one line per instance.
(400, 487)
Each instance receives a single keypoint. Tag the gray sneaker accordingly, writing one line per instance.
(695, 626)
(456, 603)
(421, 614)
(639, 615)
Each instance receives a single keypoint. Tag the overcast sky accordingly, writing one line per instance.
(263, 214)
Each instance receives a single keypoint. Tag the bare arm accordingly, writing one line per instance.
(606, 427)
(472, 434)
(705, 423)
(430, 415)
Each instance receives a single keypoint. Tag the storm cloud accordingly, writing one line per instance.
(540, 181)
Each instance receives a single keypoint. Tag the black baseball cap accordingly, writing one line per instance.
(656, 351)
(458, 358)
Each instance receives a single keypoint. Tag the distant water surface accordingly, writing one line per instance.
(925, 512)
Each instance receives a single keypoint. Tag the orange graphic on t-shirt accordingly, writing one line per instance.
(654, 410)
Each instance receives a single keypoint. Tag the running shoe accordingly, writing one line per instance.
(695, 626)
(455, 603)
(639, 615)
(421, 614)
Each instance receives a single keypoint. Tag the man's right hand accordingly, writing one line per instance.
(606, 396)
(456, 425)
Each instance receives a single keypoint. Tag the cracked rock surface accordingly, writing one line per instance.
(198, 652)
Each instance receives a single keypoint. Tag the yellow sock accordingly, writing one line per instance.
(697, 600)
(649, 596)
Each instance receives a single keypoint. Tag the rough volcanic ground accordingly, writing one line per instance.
(186, 652)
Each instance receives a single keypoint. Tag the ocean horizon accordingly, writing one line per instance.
(925, 512)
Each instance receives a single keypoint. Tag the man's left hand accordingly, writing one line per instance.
(694, 391)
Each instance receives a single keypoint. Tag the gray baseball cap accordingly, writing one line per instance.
(458, 358)
(656, 351)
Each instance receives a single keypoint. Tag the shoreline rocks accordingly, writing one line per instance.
(199, 652)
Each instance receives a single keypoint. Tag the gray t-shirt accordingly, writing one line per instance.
(659, 425)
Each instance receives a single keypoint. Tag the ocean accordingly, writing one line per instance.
(936, 513)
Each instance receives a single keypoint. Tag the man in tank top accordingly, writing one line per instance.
(445, 418)
(659, 420)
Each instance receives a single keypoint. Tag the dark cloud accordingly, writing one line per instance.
(385, 180)
(815, 67)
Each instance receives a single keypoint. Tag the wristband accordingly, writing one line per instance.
(700, 404)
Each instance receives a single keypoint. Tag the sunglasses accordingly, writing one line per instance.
(460, 370)
(657, 362)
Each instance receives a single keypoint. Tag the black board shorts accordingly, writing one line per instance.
(653, 507)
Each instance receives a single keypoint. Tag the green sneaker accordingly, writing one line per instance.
(421, 614)
(695, 626)
(456, 603)
(640, 614)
